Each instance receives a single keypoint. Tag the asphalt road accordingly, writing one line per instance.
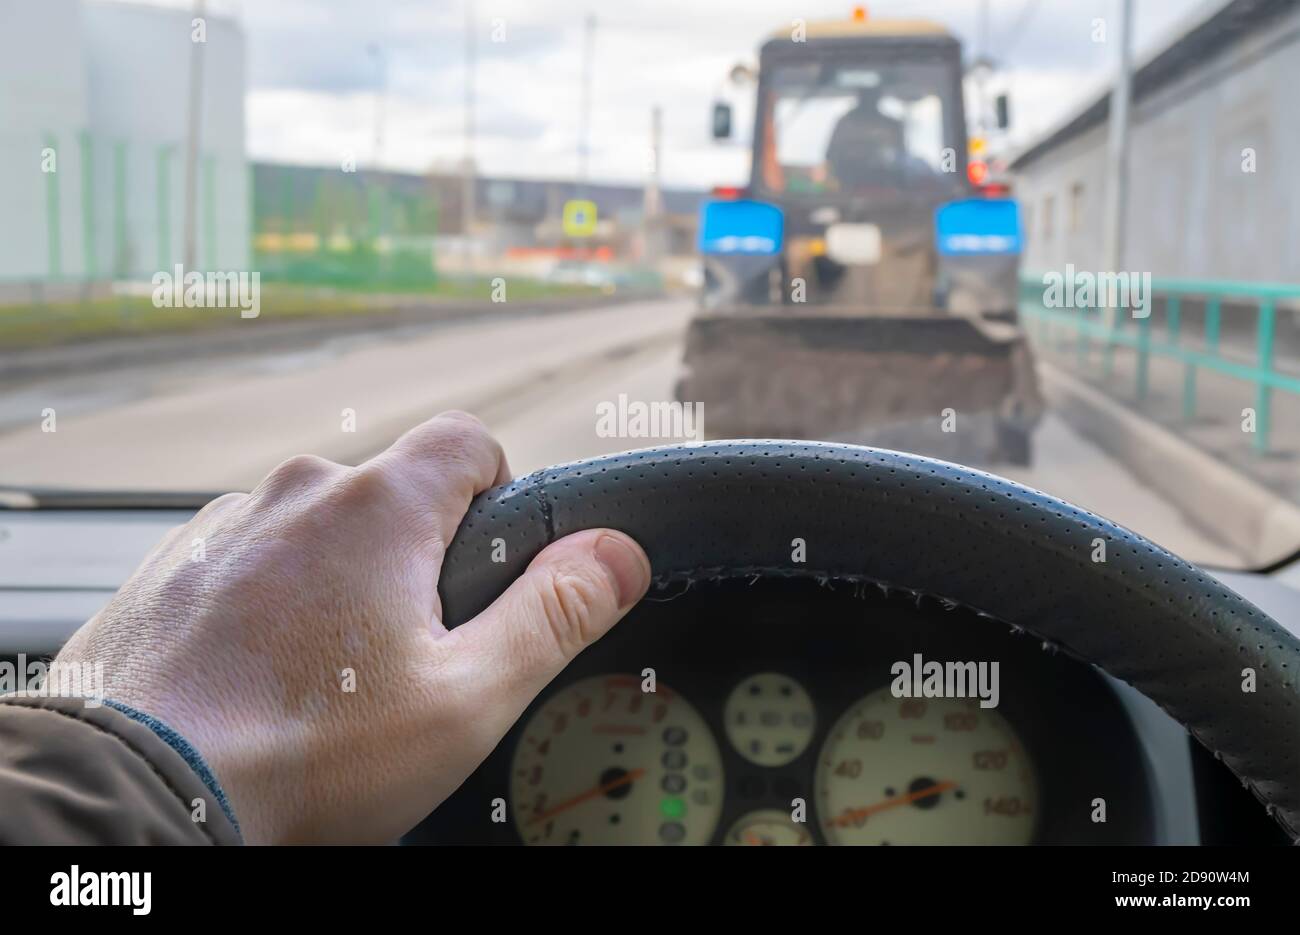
(220, 423)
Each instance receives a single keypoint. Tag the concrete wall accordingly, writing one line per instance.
(138, 66)
(106, 83)
(42, 96)
(1192, 211)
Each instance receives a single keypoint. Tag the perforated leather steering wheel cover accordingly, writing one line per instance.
(928, 527)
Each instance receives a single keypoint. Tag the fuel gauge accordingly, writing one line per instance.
(769, 719)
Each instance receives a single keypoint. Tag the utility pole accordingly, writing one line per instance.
(377, 202)
(467, 176)
(381, 95)
(1117, 149)
(584, 128)
(982, 66)
(652, 205)
(192, 133)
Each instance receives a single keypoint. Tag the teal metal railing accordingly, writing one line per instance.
(1091, 326)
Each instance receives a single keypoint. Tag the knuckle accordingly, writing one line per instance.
(220, 504)
(303, 466)
(295, 473)
(467, 435)
(458, 441)
(454, 467)
(365, 488)
(569, 605)
(453, 452)
(450, 449)
(468, 419)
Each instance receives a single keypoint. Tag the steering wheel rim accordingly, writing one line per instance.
(904, 522)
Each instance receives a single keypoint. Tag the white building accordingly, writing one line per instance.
(1213, 192)
(93, 125)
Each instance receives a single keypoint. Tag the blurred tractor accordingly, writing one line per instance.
(863, 287)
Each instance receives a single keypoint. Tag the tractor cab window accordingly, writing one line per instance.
(838, 129)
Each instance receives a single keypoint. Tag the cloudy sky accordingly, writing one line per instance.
(319, 69)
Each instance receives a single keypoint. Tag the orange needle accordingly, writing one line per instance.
(592, 793)
(856, 814)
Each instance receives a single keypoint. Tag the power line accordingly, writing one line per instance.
(1018, 28)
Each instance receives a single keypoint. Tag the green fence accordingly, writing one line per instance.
(353, 230)
(1092, 327)
(83, 208)
(86, 209)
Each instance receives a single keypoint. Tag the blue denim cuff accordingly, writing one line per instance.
(185, 749)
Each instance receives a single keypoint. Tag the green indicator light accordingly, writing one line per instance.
(672, 807)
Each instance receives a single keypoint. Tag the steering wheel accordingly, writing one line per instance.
(931, 528)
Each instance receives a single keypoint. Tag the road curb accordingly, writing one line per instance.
(111, 352)
(1257, 522)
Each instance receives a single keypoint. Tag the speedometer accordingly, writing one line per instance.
(924, 771)
(603, 762)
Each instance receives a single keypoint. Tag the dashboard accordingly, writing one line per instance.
(723, 655)
(785, 712)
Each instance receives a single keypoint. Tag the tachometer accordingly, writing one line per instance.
(924, 771)
(603, 762)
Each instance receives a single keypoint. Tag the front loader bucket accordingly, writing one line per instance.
(872, 379)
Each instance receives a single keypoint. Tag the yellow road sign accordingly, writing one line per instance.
(579, 218)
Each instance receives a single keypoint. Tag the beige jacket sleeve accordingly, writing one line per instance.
(73, 774)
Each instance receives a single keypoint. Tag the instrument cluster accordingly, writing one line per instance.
(614, 759)
(777, 713)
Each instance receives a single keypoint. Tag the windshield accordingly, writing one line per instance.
(233, 232)
(853, 129)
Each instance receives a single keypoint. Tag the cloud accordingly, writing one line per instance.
(314, 79)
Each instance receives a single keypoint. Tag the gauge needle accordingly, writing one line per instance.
(592, 793)
(857, 814)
